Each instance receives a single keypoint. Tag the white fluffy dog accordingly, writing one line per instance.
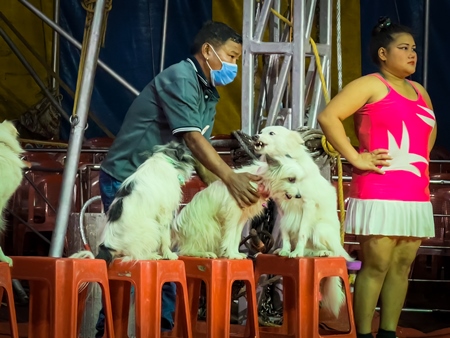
(319, 220)
(11, 170)
(211, 224)
(310, 224)
(140, 217)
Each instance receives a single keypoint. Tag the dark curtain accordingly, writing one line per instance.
(132, 49)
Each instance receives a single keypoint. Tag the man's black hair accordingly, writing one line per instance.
(216, 34)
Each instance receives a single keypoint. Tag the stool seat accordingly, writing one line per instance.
(54, 293)
(147, 277)
(219, 275)
(301, 293)
(6, 283)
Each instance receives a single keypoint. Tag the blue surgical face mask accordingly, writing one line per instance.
(224, 75)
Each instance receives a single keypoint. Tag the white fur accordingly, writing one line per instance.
(309, 226)
(150, 197)
(10, 168)
(143, 230)
(211, 224)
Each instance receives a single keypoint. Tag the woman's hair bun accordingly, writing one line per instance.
(383, 23)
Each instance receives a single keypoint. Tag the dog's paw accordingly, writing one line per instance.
(237, 255)
(154, 257)
(170, 255)
(324, 253)
(295, 254)
(8, 260)
(284, 253)
(210, 255)
(4, 258)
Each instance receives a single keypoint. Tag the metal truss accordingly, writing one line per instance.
(289, 94)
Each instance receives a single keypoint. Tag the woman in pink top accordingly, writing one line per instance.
(389, 205)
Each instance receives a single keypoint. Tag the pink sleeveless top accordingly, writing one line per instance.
(403, 126)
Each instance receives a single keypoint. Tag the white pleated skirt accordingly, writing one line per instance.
(389, 218)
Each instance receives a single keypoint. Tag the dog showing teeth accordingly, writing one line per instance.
(309, 225)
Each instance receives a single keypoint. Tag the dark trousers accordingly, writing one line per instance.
(108, 188)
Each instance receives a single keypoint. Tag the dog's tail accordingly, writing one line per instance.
(3, 204)
(333, 296)
(116, 208)
(2, 223)
(103, 253)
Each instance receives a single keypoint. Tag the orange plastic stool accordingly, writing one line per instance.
(219, 275)
(301, 292)
(5, 283)
(54, 284)
(147, 278)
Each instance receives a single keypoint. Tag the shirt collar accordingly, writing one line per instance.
(201, 76)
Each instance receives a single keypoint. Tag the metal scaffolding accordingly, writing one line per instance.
(289, 94)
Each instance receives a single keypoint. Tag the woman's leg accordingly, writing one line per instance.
(376, 259)
(395, 285)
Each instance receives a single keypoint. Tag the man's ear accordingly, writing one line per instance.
(206, 51)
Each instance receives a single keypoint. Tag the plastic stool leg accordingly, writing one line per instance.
(218, 308)
(6, 283)
(39, 313)
(148, 309)
(120, 303)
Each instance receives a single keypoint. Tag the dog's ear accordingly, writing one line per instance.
(180, 151)
(184, 154)
(298, 138)
(272, 162)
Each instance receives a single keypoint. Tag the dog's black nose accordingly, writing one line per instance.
(255, 137)
(298, 196)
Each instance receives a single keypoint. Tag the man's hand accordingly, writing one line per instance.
(242, 188)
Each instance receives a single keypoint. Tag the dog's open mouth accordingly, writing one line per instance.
(258, 145)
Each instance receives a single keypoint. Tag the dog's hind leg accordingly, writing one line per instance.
(231, 239)
(205, 254)
(166, 245)
(309, 210)
(327, 240)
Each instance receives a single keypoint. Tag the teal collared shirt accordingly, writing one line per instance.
(177, 100)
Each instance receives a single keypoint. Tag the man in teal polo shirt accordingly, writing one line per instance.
(180, 104)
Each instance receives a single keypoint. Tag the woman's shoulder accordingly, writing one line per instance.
(423, 92)
(367, 84)
(367, 80)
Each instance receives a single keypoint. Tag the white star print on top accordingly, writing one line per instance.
(402, 159)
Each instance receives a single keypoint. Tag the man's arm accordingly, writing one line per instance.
(238, 184)
(206, 176)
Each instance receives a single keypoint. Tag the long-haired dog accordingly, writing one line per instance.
(211, 224)
(140, 217)
(11, 170)
(309, 226)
